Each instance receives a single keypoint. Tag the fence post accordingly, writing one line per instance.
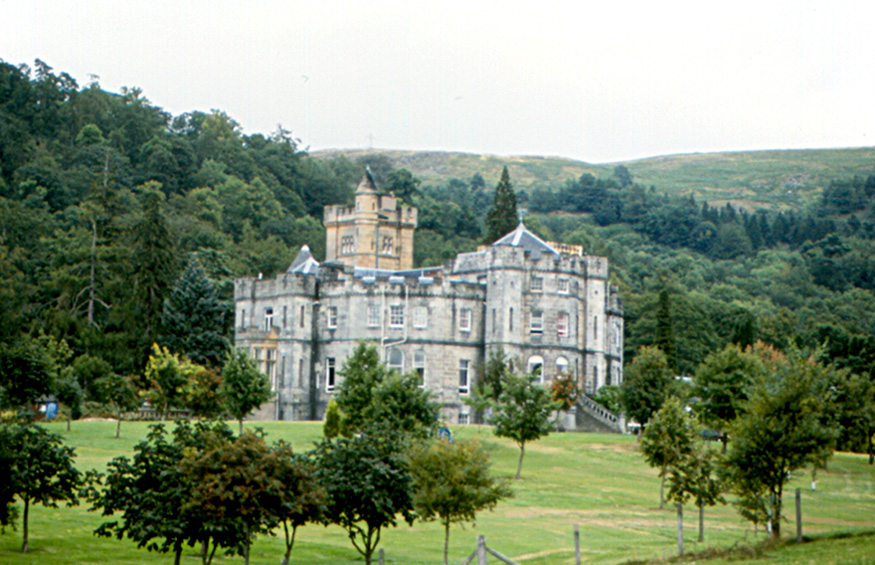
(576, 545)
(798, 515)
(481, 550)
(680, 529)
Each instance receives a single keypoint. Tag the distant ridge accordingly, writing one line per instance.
(775, 179)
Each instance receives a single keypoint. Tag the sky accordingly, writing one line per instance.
(600, 82)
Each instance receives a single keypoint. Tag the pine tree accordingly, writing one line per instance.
(502, 217)
(193, 320)
(664, 332)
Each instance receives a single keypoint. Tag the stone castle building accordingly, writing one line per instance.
(545, 305)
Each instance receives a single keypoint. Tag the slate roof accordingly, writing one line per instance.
(523, 238)
(304, 263)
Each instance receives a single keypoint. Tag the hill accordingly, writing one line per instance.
(786, 179)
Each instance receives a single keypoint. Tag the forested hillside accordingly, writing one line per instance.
(105, 199)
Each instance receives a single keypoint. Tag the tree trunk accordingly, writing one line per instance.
(701, 521)
(24, 525)
(240, 421)
(446, 541)
(519, 466)
(92, 277)
(290, 541)
(776, 520)
(118, 427)
(177, 555)
(69, 419)
(662, 489)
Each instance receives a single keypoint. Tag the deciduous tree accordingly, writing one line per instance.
(523, 412)
(451, 483)
(668, 440)
(244, 387)
(646, 384)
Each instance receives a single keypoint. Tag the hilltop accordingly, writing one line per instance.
(785, 179)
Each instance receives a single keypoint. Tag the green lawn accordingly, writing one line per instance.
(597, 481)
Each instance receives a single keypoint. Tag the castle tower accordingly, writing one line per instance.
(375, 233)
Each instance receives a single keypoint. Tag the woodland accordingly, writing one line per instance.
(113, 211)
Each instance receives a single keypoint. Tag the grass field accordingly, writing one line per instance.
(596, 481)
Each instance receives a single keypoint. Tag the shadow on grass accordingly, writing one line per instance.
(742, 552)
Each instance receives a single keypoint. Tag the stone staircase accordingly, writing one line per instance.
(590, 416)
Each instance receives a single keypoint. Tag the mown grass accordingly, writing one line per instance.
(596, 481)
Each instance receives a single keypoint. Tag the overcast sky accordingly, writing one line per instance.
(597, 81)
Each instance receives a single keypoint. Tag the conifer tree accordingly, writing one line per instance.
(502, 217)
(193, 320)
(664, 332)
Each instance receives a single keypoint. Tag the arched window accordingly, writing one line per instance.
(561, 366)
(536, 367)
(396, 360)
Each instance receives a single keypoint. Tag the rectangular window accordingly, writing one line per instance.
(396, 316)
(464, 381)
(463, 418)
(285, 312)
(332, 317)
(510, 320)
(562, 324)
(537, 283)
(387, 248)
(329, 374)
(301, 372)
(465, 318)
(268, 319)
(269, 364)
(537, 323)
(595, 328)
(301, 319)
(243, 318)
(420, 317)
(419, 366)
(347, 245)
(563, 286)
(373, 316)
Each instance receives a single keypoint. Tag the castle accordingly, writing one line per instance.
(548, 307)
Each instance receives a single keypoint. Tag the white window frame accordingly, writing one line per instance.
(268, 318)
(332, 317)
(398, 363)
(330, 374)
(533, 363)
(563, 286)
(561, 365)
(374, 316)
(464, 376)
(536, 322)
(420, 317)
(396, 316)
(562, 329)
(466, 317)
(537, 283)
(419, 365)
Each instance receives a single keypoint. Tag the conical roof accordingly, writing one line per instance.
(367, 183)
(523, 238)
(304, 263)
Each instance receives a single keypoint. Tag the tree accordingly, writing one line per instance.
(695, 476)
(233, 485)
(154, 265)
(362, 372)
(333, 420)
(27, 372)
(244, 388)
(564, 391)
(523, 412)
(193, 319)
(168, 376)
(151, 493)
(368, 485)
(502, 217)
(202, 395)
(722, 383)
(665, 340)
(300, 498)
(40, 471)
(784, 427)
(668, 440)
(121, 394)
(372, 394)
(646, 384)
(451, 482)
